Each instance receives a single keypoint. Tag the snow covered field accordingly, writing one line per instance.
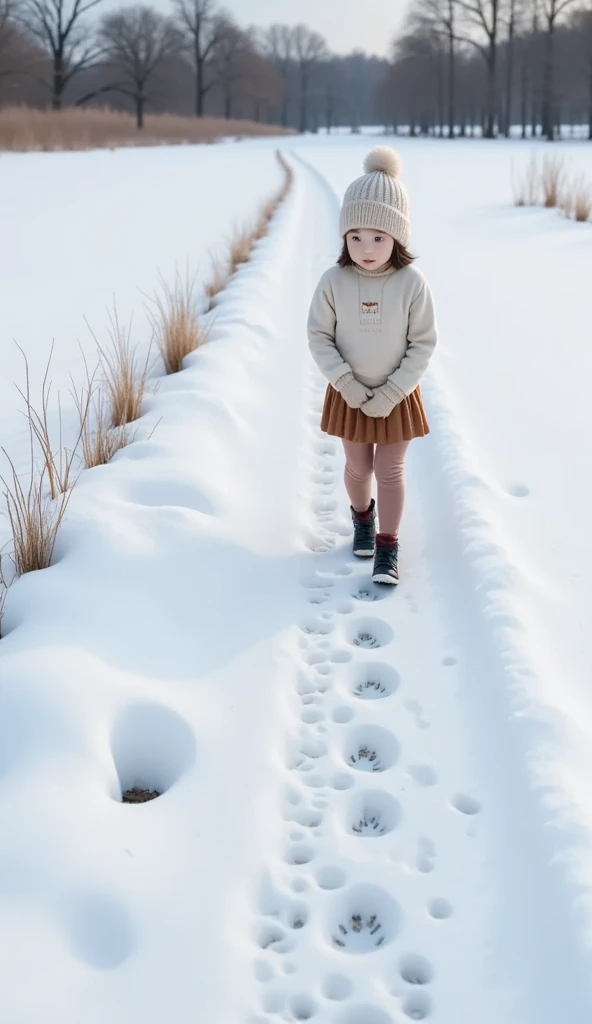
(206, 632)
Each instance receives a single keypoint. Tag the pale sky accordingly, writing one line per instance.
(346, 24)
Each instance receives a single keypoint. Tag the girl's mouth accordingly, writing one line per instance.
(369, 261)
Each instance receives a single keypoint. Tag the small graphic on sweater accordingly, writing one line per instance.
(369, 313)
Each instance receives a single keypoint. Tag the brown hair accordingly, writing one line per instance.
(400, 256)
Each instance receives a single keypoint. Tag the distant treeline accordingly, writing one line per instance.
(459, 66)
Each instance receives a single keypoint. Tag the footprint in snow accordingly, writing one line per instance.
(417, 1006)
(273, 937)
(416, 970)
(422, 774)
(518, 490)
(100, 931)
(337, 987)
(303, 1007)
(466, 804)
(440, 909)
(414, 708)
(363, 919)
(370, 633)
(426, 855)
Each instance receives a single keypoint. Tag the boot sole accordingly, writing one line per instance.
(381, 577)
(364, 554)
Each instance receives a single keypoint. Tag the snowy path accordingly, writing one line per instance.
(412, 832)
(348, 832)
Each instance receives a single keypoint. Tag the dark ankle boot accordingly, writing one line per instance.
(386, 568)
(364, 531)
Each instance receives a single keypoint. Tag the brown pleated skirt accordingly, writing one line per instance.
(407, 420)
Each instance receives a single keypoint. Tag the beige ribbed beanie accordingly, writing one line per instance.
(378, 199)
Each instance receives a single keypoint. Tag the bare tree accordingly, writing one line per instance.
(309, 49)
(511, 20)
(137, 40)
(278, 45)
(200, 23)
(232, 50)
(262, 82)
(440, 17)
(7, 40)
(582, 27)
(484, 15)
(66, 36)
(552, 11)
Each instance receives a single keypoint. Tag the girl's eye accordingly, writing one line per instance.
(379, 238)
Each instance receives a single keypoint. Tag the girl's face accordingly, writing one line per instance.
(369, 248)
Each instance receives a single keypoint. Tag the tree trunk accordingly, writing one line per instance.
(440, 96)
(524, 96)
(548, 84)
(199, 75)
(227, 103)
(490, 120)
(451, 72)
(140, 102)
(58, 82)
(590, 107)
(509, 76)
(303, 100)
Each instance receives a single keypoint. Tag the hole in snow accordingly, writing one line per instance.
(370, 748)
(138, 796)
(300, 854)
(303, 1007)
(330, 877)
(439, 908)
(518, 490)
(363, 919)
(416, 970)
(466, 804)
(422, 774)
(152, 747)
(372, 814)
(417, 1006)
(374, 681)
(100, 931)
(369, 634)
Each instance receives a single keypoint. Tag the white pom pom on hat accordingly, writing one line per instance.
(383, 158)
(378, 199)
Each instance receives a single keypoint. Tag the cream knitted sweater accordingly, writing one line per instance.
(380, 325)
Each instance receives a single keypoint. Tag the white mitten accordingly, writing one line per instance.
(381, 404)
(354, 393)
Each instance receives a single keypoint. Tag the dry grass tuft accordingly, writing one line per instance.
(582, 199)
(75, 128)
(552, 179)
(175, 323)
(34, 518)
(99, 439)
(218, 280)
(527, 186)
(58, 464)
(244, 238)
(36, 509)
(566, 201)
(125, 380)
(241, 246)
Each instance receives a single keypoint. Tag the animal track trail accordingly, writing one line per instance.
(348, 788)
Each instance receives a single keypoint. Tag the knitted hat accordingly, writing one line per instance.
(378, 199)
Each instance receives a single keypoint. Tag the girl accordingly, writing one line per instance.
(372, 331)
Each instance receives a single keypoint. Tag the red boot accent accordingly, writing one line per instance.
(384, 540)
